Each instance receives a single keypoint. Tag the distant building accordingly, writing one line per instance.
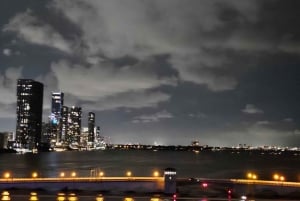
(74, 125)
(56, 115)
(64, 122)
(4, 140)
(29, 113)
(91, 127)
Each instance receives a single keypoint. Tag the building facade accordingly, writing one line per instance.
(74, 125)
(64, 123)
(29, 113)
(91, 127)
(56, 115)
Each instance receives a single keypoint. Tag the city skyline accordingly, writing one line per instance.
(165, 72)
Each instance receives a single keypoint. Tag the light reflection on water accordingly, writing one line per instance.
(34, 196)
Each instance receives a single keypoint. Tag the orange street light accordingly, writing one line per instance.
(101, 174)
(34, 175)
(62, 174)
(281, 178)
(156, 174)
(128, 173)
(6, 175)
(251, 176)
(73, 174)
(276, 177)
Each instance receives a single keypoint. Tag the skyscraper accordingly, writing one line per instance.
(64, 122)
(56, 107)
(91, 127)
(55, 117)
(29, 113)
(74, 120)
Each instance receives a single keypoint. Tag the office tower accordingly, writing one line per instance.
(74, 120)
(91, 127)
(55, 117)
(29, 113)
(56, 107)
(64, 122)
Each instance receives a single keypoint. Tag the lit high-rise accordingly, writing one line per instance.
(74, 125)
(29, 113)
(55, 117)
(91, 127)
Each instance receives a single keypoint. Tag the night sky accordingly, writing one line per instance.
(161, 71)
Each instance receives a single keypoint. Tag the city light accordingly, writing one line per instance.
(251, 175)
(99, 198)
(62, 174)
(61, 197)
(6, 175)
(278, 177)
(34, 175)
(128, 173)
(72, 197)
(156, 174)
(73, 174)
(128, 199)
(33, 196)
(101, 174)
(5, 196)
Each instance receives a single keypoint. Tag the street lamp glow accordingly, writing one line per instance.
(62, 174)
(275, 176)
(128, 173)
(156, 174)
(251, 176)
(6, 175)
(281, 178)
(73, 174)
(34, 175)
(101, 174)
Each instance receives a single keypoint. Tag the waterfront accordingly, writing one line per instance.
(207, 164)
(114, 163)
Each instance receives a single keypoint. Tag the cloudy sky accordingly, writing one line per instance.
(161, 71)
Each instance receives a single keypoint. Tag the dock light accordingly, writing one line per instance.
(128, 173)
(34, 175)
(156, 174)
(101, 174)
(73, 174)
(6, 175)
(62, 174)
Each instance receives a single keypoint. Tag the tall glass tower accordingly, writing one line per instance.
(29, 113)
(74, 125)
(56, 115)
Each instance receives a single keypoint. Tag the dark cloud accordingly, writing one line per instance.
(222, 71)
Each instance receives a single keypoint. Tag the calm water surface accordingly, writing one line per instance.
(215, 165)
(143, 163)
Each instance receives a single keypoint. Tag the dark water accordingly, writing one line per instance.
(143, 163)
(216, 165)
